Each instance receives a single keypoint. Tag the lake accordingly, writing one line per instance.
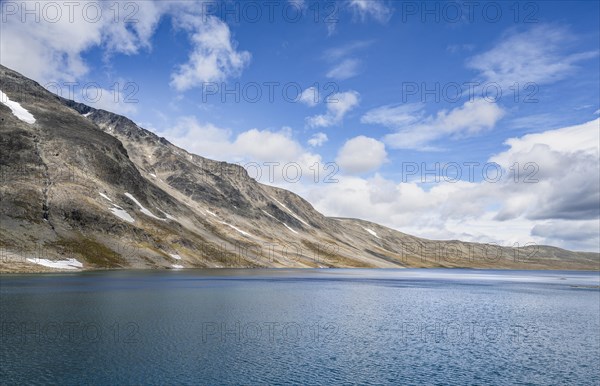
(329, 326)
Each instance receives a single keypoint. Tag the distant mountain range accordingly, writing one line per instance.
(83, 188)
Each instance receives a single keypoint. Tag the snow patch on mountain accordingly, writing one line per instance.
(58, 264)
(286, 225)
(166, 214)
(121, 213)
(372, 232)
(17, 109)
(269, 214)
(237, 229)
(292, 213)
(142, 208)
(105, 196)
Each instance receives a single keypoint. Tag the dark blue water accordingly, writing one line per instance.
(301, 327)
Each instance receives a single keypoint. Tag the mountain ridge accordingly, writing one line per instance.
(91, 187)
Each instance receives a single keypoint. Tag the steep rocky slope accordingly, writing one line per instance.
(88, 189)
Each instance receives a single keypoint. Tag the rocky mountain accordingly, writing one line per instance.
(83, 188)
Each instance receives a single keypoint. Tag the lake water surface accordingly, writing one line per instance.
(411, 326)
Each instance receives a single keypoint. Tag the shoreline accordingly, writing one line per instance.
(140, 270)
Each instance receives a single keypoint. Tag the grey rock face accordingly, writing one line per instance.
(90, 185)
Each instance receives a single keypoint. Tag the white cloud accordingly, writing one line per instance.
(565, 162)
(343, 64)
(584, 235)
(561, 209)
(537, 55)
(375, 9)
(338, 105)
(318, 139)
(340, 52)
(114, 101)
(253, 145)
(204, 139)
(394, 116)
(51, 48)
(469, 119)
(582, 138)
(266, 145)
(218, 143)
(348, 68)
(407, 207)
(214, 57)
(361, 154)
(310, 96)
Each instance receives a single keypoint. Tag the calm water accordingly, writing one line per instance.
(301, 327)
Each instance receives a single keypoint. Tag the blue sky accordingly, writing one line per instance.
(374, 60)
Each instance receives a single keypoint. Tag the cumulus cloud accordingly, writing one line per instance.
(309, 97)
(50, 48)
(582, 138)
(214, 56)
(565, 164)
(254, 145)
(318, 139)
(338, 105)
(585, 234)
(560, 209)
(110, 100)
(408, 207)
(415, 132)
(361, 154)
(201, 138)
(219, 143)
(266, 145)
